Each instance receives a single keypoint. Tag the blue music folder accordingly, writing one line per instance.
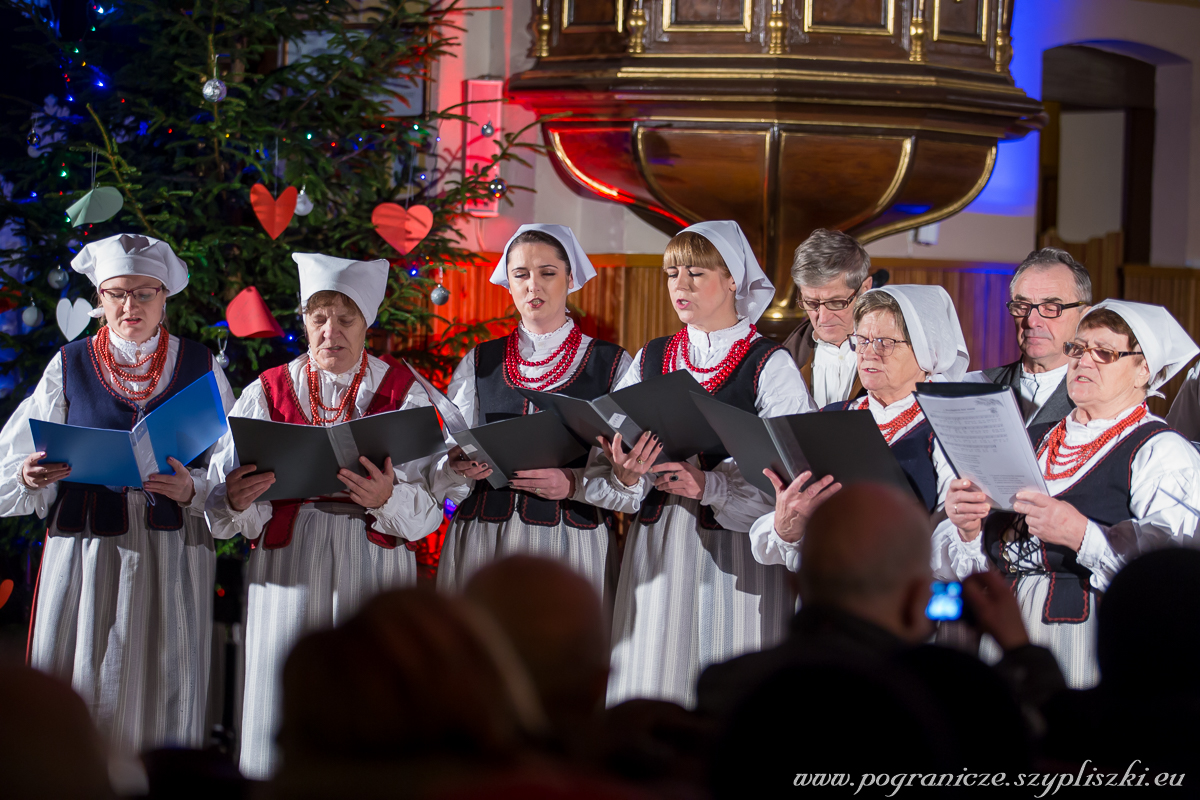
(182, 427)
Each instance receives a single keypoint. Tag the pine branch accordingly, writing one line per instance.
(110, 151)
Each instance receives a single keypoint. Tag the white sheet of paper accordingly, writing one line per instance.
(455, 422)
(985, 439)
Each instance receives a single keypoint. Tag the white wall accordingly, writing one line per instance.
(1091, 175)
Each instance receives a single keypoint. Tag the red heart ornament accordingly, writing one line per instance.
(249, 317)
(6, 587)
(273, 213)
(402, 229)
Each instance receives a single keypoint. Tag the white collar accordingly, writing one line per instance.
(544, 342)
(1096, 426)
(131, 351)
(339, 378)
(723, 338)
(1049, 376)
(900, 405)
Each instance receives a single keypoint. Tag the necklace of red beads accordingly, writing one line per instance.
(677, 351)
(1063, 460)
(891, 429)
(343, 410)
(562, 358)
(157, 360)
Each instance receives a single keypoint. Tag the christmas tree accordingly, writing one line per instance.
(182, 108)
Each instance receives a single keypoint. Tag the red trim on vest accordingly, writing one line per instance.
(285, 406)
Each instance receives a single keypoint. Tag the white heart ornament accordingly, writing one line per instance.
(73, 319)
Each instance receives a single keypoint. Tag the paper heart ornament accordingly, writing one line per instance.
(402, 229)
(249, 317)
(273, 213)
(6, 587)
(73, 319)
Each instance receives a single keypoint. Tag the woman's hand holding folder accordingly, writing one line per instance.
(794, 505)
(630, 467)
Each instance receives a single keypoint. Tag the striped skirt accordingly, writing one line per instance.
(318, 581)
(473, 544)
(1073, 645)
(688, 598)
(127, 621)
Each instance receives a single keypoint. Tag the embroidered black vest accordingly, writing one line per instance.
(739, 390)
(498, 400)
(1101, 494)
(914, 453)
(93, 403)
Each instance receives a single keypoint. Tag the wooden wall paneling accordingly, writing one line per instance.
(961, 21)
(1103, 257)
(647, 312)
(601, 302)
(1178, 289)
(979, 291)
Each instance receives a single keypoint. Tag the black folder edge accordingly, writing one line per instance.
(498, 479)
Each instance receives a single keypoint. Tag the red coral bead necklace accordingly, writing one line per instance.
(677, 351)
(891, 429)
(343, 410)
(157, 361)
(562, 358)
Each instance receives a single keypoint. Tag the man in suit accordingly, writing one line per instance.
(830, 271)
(1049, 293)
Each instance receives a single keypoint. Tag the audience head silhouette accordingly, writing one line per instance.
(866, 551)
(555, 621)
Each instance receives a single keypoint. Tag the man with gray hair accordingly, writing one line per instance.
(830, 272)
(1049, 293)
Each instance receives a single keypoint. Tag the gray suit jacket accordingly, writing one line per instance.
(1057, 406)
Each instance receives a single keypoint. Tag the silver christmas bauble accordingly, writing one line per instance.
(440, 295)
(214, 90)
(497, 187)
(223, 360)
(57, 278)
(31, 316)
(487, 129)
(34, 138)
(304, 204)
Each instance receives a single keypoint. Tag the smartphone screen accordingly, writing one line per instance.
(946, 602)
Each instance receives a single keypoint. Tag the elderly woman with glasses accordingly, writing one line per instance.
(903, 335)
(1120, 482)
(123, 606)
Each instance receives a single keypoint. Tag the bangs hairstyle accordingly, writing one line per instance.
(1107, 318)
(880, 301)
(328, 299)
(690, 249)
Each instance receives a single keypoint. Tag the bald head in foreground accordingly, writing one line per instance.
(866, 553)
(864, 581)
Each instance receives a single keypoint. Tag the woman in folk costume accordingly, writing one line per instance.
(123, 607)
(1120, 483)
(903, 335)
(543, 512)
(690, 592)
(317, 560)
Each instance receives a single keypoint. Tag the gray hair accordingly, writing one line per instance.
(1053, 257)
(826, 255)
(880, 301)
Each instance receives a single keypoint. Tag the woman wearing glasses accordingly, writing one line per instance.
(1120, 483)
(123, 607)
(690, 593)
(903, 335)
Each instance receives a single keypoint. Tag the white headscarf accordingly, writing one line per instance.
(754, 289)
(933, 327)
(582, 270)
(132, 254)
(364, 282)
(1161, 338)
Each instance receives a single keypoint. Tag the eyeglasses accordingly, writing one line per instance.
(832, 305)
(1021, 309)
(1101, 355)
(141, 295)
(883, 346)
